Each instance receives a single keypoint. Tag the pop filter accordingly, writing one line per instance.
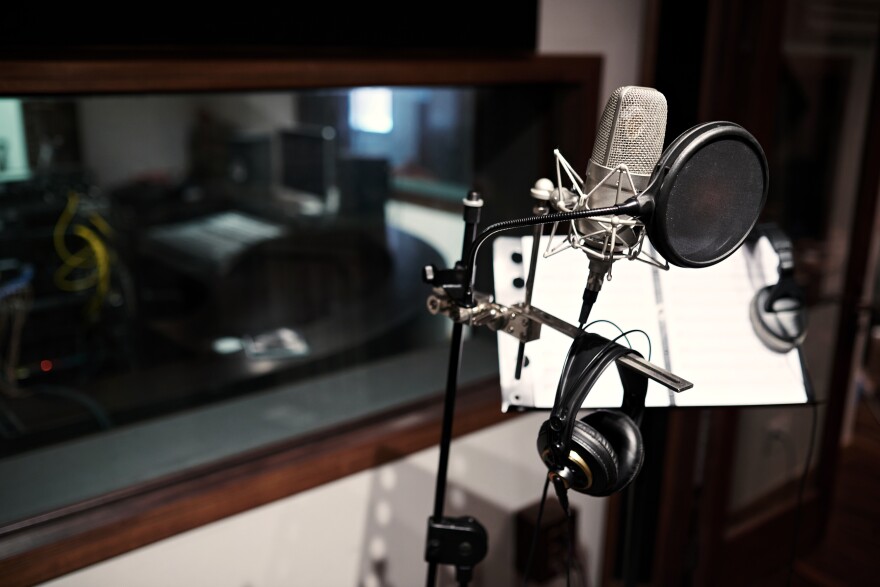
(707, 191)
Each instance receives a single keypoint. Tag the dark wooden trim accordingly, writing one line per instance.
(770, 502)
(717, 62)
(193, 74)
(717, 474)
(674, 524)
(678, 502)
(763, 545)
(650, 36)
(611, 538)
(862, 240)
(113, 524)
(741, 64)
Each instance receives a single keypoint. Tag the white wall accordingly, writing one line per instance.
(610, 28)
(366, 529)
(156, 145)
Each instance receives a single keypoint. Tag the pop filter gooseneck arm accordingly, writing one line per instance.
(631, 207)
(463, 541)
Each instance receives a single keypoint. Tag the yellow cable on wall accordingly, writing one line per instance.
(93, 256)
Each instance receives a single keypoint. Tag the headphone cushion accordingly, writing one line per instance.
(599, 456)
(779, 331)
(624, 440)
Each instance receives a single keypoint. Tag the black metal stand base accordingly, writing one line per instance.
(461, 542)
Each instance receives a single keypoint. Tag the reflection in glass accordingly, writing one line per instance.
(164, 252)
(370, 110)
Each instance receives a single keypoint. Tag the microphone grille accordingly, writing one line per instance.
(632, 130)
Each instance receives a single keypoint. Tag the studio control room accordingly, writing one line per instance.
(542, 292)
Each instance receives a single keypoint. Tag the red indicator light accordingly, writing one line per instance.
(45, 365)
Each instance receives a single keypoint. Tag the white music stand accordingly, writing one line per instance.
(697, 320)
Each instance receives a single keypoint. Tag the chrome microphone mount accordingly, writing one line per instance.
(604, 238)
(523, 322)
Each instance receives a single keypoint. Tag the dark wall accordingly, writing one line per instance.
(456, 26)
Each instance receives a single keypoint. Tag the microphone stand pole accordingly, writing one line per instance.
(459, 541)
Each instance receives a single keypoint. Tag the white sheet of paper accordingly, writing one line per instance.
(702, 312)
(712, 342)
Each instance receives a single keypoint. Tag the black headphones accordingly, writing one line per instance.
(602, 452)
(777, 311)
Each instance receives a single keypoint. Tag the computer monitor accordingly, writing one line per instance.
(13, 146)
(307, 161)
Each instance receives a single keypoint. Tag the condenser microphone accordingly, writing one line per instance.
(696, 201)
(627, 146)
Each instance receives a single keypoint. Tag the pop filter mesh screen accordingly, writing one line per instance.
(714, 202)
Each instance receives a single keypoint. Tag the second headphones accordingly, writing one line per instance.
(603, 452)
(777, 311)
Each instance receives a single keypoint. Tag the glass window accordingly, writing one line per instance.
(183, 277)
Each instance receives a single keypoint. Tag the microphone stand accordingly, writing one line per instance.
(463, 541)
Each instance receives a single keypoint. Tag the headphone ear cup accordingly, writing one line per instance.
(780, 330)
(597, 455)
(624, 439)
(591, 463)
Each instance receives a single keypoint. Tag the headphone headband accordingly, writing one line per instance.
(589, 356)
(785, 286)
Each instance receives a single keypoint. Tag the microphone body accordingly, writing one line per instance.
(631, 134)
